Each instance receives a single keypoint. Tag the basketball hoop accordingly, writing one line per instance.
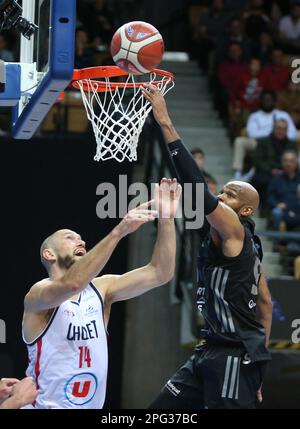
(116, 109)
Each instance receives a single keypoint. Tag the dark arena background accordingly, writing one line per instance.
(227, 57)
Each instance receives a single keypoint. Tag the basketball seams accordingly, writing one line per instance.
(125, 42)
(137, 56)
(132, 58)
(141, 44)
(132, 40)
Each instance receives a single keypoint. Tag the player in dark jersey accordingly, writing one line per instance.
(227, 368)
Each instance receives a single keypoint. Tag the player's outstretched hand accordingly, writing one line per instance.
(136, 218)
(159, 107)
(23, 392)
(6, 387)
(166, 198)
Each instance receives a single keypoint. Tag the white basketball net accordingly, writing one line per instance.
(118, 122)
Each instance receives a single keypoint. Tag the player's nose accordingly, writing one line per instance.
(81, 243)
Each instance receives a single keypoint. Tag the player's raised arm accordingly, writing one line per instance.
(50, 293)
(161, 268)
(221, 217)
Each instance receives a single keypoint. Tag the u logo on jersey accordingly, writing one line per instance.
(81, 388)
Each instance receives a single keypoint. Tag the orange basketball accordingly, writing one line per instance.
(137, 47)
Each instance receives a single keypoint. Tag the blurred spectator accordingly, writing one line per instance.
(246, 97)
(212, 185)
(250, 86)
(277, 74)
(210, 31)
(225, 85)
(289, 101)
(260, 124)
(199, 157)
(267, 156)
(289, 27)
(283, 192)
(236, 34)
(263, 47)
(256, 21)
(101, 23)
(84, 53)
(234, 66)
(5, 54)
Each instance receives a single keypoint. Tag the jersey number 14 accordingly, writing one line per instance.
(84, 357)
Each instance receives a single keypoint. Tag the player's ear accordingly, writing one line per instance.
(247, 211)
(49, 255)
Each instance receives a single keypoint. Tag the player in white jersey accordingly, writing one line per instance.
(66, 315)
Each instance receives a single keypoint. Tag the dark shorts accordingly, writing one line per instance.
(214, 377)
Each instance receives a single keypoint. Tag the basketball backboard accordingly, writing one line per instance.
(46, 62)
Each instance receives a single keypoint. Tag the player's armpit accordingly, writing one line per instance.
(226, 222)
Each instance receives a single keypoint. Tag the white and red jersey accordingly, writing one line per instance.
(69, 359)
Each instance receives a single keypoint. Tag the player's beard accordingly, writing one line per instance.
(65, 262)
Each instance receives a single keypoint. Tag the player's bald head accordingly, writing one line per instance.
(247, 195)
(51, 243)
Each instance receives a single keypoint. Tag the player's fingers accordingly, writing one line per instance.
(135, 215)
(151, 88)
(174, 186)
(163, 180)
(146, 95)
(7, 391)
(9, 381)
(146, 204)
(141, 218)
(146, 212)
(179, 189)
(164, 184)
(12, 381)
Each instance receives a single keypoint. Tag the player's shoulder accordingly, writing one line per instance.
(43, 282)
(32, 294)
(252, 239)
(102, 282)
(39, 284)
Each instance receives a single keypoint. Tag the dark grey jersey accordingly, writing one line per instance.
(227, 294)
